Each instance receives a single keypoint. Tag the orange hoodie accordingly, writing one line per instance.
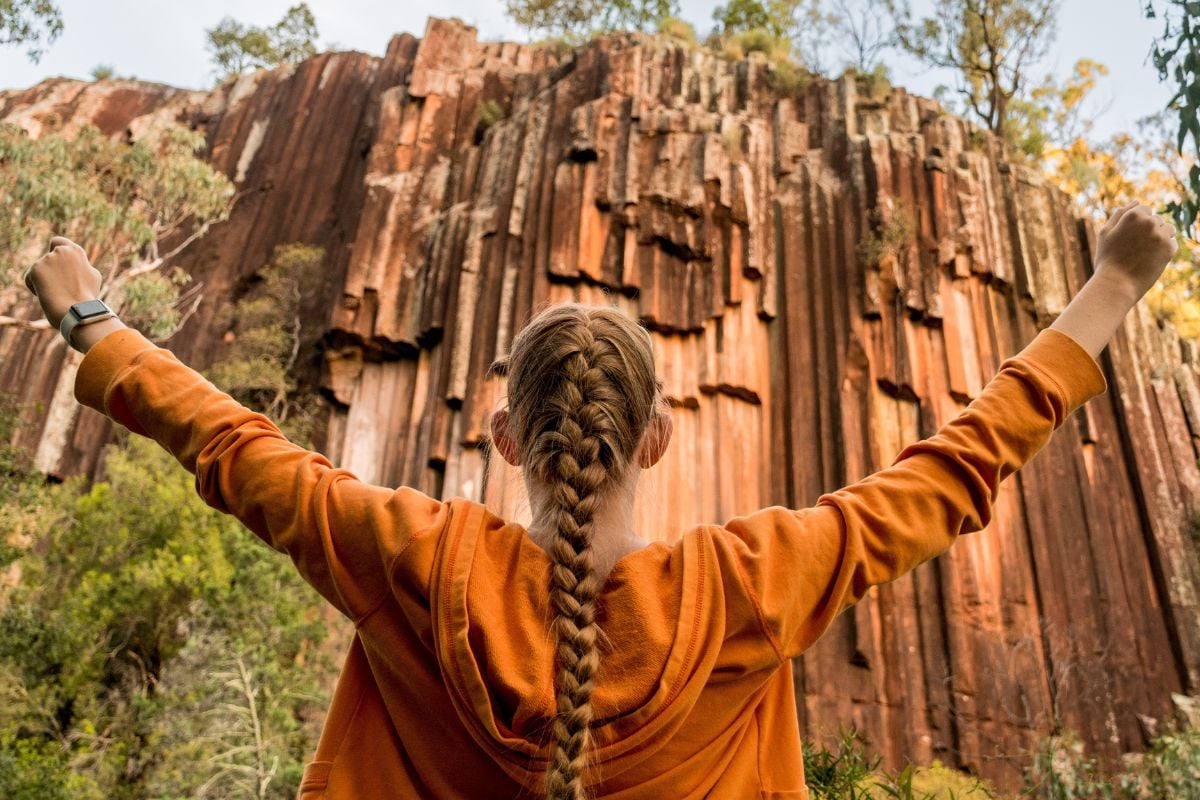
(447, 690)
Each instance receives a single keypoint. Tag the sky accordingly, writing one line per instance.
(164, 42)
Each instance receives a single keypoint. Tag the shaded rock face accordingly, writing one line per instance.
(828, 274)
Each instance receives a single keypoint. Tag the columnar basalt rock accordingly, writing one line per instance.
(829, 274)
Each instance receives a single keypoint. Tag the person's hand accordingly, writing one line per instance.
(1134, 247)
(62, 278)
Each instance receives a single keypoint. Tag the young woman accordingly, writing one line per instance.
(573, 659)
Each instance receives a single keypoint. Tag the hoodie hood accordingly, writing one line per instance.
(489, 602)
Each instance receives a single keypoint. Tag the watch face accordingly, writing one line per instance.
(89, 309)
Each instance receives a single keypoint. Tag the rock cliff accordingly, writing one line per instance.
(830, 272)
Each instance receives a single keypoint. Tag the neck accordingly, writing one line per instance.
(612, 526)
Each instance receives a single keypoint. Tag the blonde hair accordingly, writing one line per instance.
(581, 392)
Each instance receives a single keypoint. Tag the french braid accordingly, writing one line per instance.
(581, 392)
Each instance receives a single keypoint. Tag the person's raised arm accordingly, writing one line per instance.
(801, 568)
(344, 535)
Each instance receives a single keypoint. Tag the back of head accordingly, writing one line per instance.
(581, 392)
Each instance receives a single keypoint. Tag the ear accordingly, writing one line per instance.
(502, 440)
(655, 440)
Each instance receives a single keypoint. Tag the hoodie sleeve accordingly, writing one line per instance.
(801, 568)
(342, 534)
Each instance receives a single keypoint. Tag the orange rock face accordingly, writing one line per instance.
(828, 276)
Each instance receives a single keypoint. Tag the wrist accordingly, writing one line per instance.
(1119, 285)
(85, 337)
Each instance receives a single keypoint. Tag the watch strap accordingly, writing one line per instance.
(72, 319)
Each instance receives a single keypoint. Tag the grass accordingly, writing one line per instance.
(1059, 770)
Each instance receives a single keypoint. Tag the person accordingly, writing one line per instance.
(574, 659)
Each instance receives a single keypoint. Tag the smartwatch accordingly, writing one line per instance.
(84, 313)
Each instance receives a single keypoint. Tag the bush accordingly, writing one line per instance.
(677, 29)
(888, 235)
(786, 78)
(877, 83)
(116, 650)
(757, 40)
(1169, 769)
(850, 773)
(560, 46)
(489, 113)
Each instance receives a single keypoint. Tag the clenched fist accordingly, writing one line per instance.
(61, 278)
(1135, 245)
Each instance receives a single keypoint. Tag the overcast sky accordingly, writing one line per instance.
(158, 41)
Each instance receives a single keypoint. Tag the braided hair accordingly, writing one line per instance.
(581, 392)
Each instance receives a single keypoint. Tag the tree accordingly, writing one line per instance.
(29, 22)
(578, 18)
(103, 72)
(1177, 57)
(776, 17)
(119, 200)
(124, 202)
(236, 47)
(264, 338)
(1054, 129)
(1052, 115)
(115, 650)
(865, 31)
(989, 44)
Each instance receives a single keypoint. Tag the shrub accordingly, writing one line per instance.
(559, 46)
(489, 113)
(786, 78)
(849, 772)
(886, 236)
(757, 40)
(677, 29)
(1170, 768)
(877, 83)
(840, 774)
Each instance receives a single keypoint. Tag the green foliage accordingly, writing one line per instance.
(677, 28)
(977, 139)
(236, 47)
(761, 40)
(580, 18)
(989, 45)
(111, 682)
(150, 303)
(795, 31)
(1062, 771)
(265, 331)
(560, 45)
(841, 774)
(888, 235)
(151, 646)
(117, 199)
(489, 113)
(875, 83)
(103, 72)
(1177, 57)
(28, 22)
(1051, 114)
(773, 18)
(850, 772)
(32, 769)
(21, 487)
(786, 78)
